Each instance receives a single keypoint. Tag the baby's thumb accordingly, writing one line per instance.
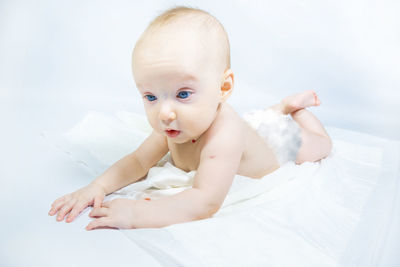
(97, 201)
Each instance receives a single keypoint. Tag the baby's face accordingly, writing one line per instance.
(180, 82)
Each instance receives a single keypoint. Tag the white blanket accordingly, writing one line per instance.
(314, 214)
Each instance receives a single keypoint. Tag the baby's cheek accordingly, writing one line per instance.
(200, 122)
(154, 124)
(152, 118)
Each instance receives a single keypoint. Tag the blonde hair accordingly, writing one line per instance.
(196, 17)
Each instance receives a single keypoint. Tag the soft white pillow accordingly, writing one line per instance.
(99, 140)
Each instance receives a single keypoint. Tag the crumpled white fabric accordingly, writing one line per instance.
(165, 179)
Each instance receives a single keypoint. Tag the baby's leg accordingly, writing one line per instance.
(316, 143)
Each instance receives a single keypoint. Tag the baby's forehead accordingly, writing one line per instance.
(194, 42)
(167, 80)
(182, 48)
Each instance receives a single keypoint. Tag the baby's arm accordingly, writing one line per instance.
(127, 170)
(134, 166)
(219, 162)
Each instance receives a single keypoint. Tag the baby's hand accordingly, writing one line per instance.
(74, 203)
(118, 213)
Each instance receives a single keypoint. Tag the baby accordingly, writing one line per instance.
(181, 66)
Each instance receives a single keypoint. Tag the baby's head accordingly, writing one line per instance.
(181, 66)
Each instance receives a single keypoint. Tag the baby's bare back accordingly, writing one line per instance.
(257, 158)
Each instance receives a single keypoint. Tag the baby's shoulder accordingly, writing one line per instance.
(225, 137)
(227, 117)
(227, 125)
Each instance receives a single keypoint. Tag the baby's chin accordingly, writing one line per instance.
(181, 139)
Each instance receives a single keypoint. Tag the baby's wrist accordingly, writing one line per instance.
(99, 185)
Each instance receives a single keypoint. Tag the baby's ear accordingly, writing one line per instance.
(227, 85)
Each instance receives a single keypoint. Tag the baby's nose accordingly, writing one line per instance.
(167, 114)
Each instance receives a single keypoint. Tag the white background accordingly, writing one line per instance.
(69, 53)
(61, 59)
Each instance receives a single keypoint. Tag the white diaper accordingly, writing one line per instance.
(280, 131)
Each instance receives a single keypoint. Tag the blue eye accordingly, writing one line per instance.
(184, 94)
(150, 97)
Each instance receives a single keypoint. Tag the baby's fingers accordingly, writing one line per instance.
(57, 204)
(102, 222)
(65, 209)
(99, 212)
(76, 210)
(97, 201)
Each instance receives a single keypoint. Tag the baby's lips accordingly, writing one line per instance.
(172, 133)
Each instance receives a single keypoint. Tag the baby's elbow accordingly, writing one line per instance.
(209, 204)
(207, 211)
(210, 209)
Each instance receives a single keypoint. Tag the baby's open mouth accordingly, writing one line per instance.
(172, 133)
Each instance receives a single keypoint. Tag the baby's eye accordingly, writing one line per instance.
(184, 94)
(150, 97)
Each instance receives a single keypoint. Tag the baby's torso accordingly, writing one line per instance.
(257, 160)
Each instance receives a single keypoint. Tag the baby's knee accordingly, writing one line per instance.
(314, 149)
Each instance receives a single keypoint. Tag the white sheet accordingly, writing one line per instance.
(333, 213)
